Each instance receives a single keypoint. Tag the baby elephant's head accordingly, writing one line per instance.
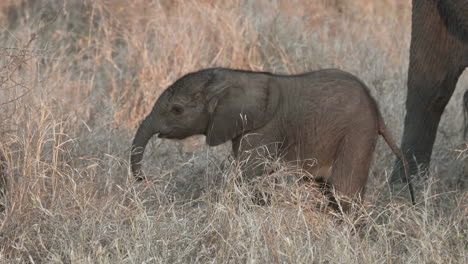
(181, 110)
(218, 103)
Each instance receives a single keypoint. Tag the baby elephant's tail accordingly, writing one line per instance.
(384, 132)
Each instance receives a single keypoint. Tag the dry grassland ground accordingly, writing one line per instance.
(76, 77)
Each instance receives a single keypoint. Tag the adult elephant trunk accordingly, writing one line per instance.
(143, 135)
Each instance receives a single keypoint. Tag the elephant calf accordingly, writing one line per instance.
(326, 116)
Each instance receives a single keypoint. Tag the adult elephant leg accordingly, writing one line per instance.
(436, 62)
(426, 101)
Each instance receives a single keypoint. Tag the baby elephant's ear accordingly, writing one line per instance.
(244, 104)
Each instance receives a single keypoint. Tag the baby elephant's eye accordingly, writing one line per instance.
(177, 109)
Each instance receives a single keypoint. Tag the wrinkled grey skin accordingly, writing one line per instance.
(326, 115)
(438, 56)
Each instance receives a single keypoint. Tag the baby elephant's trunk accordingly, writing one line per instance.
(143, 135)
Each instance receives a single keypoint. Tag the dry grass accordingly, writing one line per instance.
(77, 76)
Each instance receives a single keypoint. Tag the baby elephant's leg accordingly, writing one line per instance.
(253, 152)
(351, 168)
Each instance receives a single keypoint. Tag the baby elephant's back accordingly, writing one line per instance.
(338, 96)
(333, 106)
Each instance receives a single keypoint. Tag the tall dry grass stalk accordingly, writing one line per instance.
(77, 76)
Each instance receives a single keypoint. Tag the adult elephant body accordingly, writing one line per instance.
(325, 121)
(438, 56)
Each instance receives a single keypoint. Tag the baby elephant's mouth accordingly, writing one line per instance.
(175, 134)
(164, 135)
